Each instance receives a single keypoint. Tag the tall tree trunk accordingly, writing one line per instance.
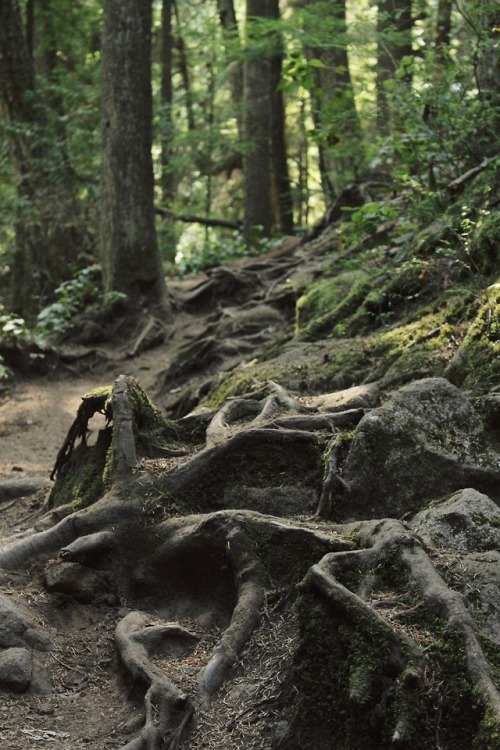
(443, 31)
(280, 175)
(488, 55)
(166, 91)
(339, 135)
(49, 231)
(232, 44)
(394, 32)
(131, 261)
(184, 69)
(258, 215)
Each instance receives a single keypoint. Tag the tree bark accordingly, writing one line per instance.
(394, 29)
(335, 118)
(131, 261)
(258, 216)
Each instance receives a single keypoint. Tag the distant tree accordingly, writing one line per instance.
(131, 260)
(232, 44)
(443, 31)
(49, 230)
(280, 177)
(337, 128)
(167, 123)
(394, 47)
(258, 214)
(267, 196)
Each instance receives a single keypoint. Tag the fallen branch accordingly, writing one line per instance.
(203, 220)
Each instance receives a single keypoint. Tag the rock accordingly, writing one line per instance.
(85, 584)
(11, 489)
(357, 397)
(16, 628)
(466, 522)
(477, 577)
(15, 669)
(426, 441)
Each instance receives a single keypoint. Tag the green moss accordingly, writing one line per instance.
(235, 383)
(335, 663)
(81, 479)
(324, 296)
(328, 323)
(476, 365)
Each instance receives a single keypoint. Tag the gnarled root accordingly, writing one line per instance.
(393, 644)
(246, 613)
(168, 709)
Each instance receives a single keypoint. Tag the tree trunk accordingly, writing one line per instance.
(394, 29)
(131, 261)
(258, 216)
(280, 175)
(232, 43)
(339, 135)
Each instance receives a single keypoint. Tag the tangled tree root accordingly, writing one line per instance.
(372, 608)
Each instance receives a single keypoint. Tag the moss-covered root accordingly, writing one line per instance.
(397, 654)
(440, 601)
(392, 558)
(168, 709)
(246, 614)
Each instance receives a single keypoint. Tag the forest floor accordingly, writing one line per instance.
(87, 704)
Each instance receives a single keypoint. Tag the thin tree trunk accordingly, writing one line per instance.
(184, 70)
(394, 30)
(166, 91)
(280, 174)
(258, 217)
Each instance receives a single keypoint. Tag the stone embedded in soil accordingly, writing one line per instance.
(84, 584)
(465, 522)
(15, 669)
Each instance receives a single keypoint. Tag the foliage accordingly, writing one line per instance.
(215, 250)
(72, 297)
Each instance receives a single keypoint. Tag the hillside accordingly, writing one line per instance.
(297, 545)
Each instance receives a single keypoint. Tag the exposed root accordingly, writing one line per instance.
(404, 657)
(89, 546)
(246, 614)
(168, 709)
(110, 509)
